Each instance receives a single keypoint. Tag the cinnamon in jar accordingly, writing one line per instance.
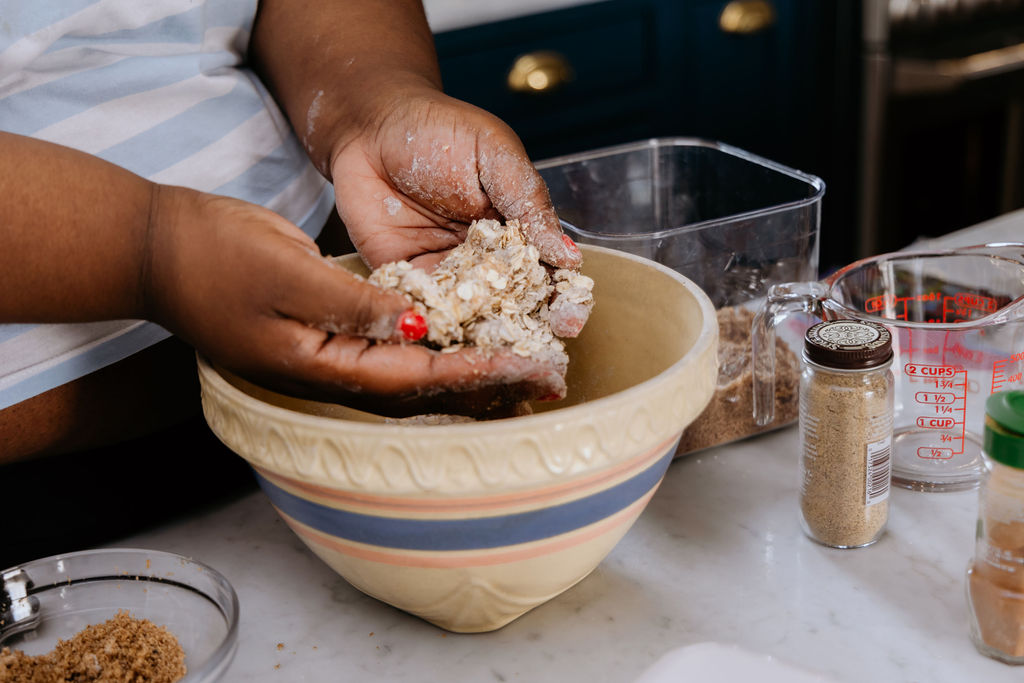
(995, 576)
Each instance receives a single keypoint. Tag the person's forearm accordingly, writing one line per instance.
(73, 232)
(325, 62)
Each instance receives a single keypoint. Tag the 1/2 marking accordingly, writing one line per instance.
(933, 453)
(934, 397)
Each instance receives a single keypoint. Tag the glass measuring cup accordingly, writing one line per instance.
(957, 318)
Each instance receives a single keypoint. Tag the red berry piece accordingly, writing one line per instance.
(570, 245)
(412, 325)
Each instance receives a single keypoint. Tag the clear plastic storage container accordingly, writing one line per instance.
(731, 221)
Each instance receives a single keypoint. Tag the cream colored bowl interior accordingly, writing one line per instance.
(639, 328)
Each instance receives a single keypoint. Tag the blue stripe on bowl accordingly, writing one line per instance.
(467, 534)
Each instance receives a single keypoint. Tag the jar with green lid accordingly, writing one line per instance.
(995, 576)
(846, 422)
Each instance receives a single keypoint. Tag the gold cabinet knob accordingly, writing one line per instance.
(538, 72)
(746, 16)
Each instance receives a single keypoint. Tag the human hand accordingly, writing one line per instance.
(422, 166)
(251, 292)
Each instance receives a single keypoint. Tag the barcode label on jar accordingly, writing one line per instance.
(879, 471)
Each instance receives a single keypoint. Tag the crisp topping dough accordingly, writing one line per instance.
(492, 291)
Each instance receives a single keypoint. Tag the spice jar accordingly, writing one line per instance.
(846, 418)
(995, 576)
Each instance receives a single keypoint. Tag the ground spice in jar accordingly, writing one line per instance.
(846, 420)
(995, 585)
(122, 649)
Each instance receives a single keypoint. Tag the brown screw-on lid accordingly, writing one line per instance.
(848, 344)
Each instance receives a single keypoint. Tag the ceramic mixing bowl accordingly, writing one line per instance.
(471, 525)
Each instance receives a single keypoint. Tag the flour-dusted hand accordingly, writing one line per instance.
(420, 167)
(251, 291)
(410, 184)
(411, 167)
(432, 166)
(87, 240)
(240, 283)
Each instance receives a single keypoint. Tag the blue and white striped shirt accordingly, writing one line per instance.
(159, 87)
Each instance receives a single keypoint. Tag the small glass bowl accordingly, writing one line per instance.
(192, 600)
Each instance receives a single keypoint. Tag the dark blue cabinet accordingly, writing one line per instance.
(652, 68)
(749, 90)
(645, 68)
(621, 55)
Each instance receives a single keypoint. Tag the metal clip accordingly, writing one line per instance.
(19, 611)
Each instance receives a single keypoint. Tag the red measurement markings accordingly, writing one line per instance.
(934, 397)
(943, 423)
(978, 302)
(1001, 378)
(947, 404)
(960, 307)
(929, 371)
(964, 306)
(933, 453)
(896, 306)
(877, 304)
(958, 351)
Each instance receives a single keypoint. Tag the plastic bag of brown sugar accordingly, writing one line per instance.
(729, 415)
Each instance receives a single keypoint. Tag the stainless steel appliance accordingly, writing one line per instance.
(942, 125)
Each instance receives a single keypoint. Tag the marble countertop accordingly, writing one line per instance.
(718, 556)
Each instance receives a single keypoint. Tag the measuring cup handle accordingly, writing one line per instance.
(782, 300)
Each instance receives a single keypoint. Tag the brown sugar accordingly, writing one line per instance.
(729, 415)
(122, 649)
